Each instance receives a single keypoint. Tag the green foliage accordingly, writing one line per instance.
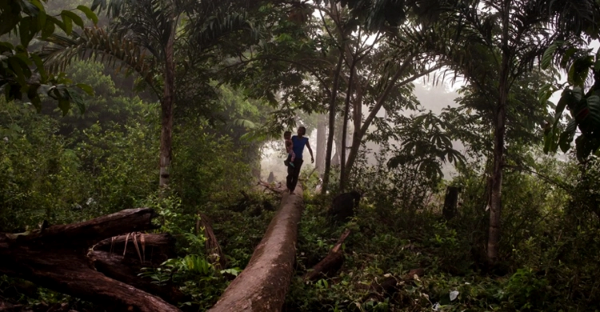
(36, 166)
(109, 106)
(472, 122)
(99, 44)
(549, 243)
(196, 276)
(207, 167)
(581, 99)
(525, 291)
(21, 71)
(44, 177)
(426, 144)
(407, 185)
(585, 116)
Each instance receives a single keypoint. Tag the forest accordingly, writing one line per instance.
(455, 168)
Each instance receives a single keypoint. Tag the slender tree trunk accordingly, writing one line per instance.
(343, 175)
(336, 81)
(166, 134)
(496, 198)
(356, 135)
(321, 143)
(499, 133)
(361, 130)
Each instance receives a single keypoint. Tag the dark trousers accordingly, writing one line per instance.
(293, 173)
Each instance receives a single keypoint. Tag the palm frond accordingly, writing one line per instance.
(99, 45)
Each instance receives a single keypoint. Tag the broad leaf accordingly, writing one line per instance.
(88, 13)
(10, 18)
(48, 28)
(26, 30)
(578, 72)
(68, 23)
(86, 88)
(548, 54)
(40, 66)
(74, 17)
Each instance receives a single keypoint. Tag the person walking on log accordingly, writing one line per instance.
(299, 142)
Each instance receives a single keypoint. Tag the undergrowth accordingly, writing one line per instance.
(549, 262)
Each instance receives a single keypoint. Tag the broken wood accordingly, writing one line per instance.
(55, 257)
(414, 274)
(85, 234)
(275, 189)
(213, 249)
(380, 289)
(265, 280)
(331, 263)
(152, 248)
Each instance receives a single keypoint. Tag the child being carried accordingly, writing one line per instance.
(289, 148)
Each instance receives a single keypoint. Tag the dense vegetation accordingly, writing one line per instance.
(172, 105)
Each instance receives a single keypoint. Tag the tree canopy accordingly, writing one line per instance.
(179, 106)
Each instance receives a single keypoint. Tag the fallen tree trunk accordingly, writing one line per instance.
(88, 233)
(55, 257)
(263, 284)
(126, 270)
(331, 263)
(152, 249)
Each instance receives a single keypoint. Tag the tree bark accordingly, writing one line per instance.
(263, 284)
(55, 257)
(153, 248)
(361, 130)
(331, 263)
(321, 143)
(88, 233)
(332, 106)
(450, 202)
(343, 175)
(499, 133)
(126, 269)
(166, 134)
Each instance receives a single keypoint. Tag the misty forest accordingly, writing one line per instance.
(444, 155)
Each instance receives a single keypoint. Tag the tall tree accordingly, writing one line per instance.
(143, 37)
(514, 35)
(319, 62)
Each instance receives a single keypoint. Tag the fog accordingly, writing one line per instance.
(432, 97)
